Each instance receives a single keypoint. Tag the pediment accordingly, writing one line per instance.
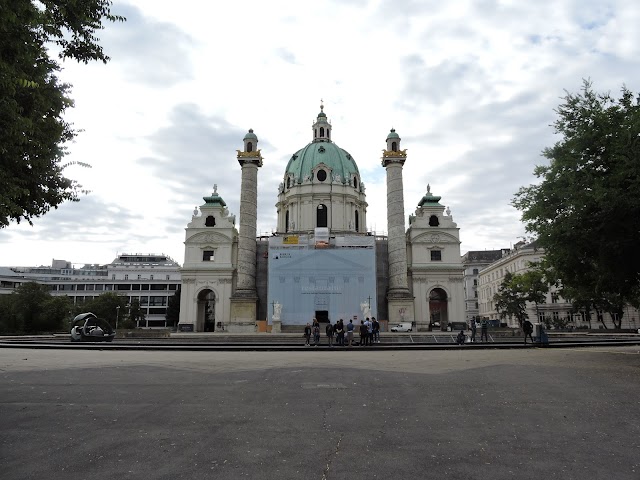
(209, 238)
(435, 237)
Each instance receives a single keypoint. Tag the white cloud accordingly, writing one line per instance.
(470, 87)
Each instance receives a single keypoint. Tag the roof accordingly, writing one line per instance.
(305, 160)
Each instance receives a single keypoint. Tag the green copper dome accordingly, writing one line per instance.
(339, 161)
(393, 134)
(250, 135)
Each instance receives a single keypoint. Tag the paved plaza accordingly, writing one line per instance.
(321, 414)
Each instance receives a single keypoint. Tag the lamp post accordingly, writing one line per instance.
(117, 315)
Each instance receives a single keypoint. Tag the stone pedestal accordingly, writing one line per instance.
(401, 311)
(276, 326)
(243, 315)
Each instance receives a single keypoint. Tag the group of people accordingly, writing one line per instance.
(342, 335)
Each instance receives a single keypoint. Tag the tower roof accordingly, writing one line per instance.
(305, 160)
(429, 199)
(321, 151)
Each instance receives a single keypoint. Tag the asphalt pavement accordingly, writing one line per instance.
(320, 414)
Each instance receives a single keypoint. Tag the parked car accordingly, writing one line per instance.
(86, 327)
(402, 327)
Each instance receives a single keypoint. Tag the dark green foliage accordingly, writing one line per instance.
(33, 133)
(105, 307)
(31, 309)
(136, 314)
(586, 210)
(173, 309)
(510, 300)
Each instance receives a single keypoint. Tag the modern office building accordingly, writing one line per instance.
(150, 278)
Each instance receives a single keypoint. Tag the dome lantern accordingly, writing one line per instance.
(321, 127)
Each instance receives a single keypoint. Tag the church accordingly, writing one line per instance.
(321, 262)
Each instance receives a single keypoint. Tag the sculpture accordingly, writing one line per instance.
(277, 310)
(366, 309)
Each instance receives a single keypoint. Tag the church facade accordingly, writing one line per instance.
(322, 262)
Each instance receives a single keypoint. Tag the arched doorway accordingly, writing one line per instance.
(439, 318)
(206, 321)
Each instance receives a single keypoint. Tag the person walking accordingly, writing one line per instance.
(307, 334)
(350, 327)
(527, 328)
(315, 329)
(484, 330)
(473, 330)
(329, 332)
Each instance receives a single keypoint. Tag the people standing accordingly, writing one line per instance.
(527, 328)
(315, 329)
(363, 333)
(350, 327)
(376, 330)
(307, 334)
(473, 330)
(484, 330)
(329, 332)
(340, 333)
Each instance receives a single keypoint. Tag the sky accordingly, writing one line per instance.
(470, 87)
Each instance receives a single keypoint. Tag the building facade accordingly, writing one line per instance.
(321, 262)
(473, 261)
(150, 278)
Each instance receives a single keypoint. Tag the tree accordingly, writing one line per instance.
(136, 314)
(510, 299)
(32, 309)
(534, 284)
(105, 306)
(33, 133)
(173, 309)
(586, 210)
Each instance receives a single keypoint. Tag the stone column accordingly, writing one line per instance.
(400, 300)
(245, 297)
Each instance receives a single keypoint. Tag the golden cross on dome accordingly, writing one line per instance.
(215, 188)
(321, 105)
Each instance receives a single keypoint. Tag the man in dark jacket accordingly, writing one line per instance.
(527, 328)
(329, 331)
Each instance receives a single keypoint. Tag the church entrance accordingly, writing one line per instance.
(206, 311)
(439, 318)
(322, 316)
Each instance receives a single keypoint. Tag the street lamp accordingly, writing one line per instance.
(117, 315)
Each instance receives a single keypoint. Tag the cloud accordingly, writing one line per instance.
(149, 51)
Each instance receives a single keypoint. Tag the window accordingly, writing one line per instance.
(207, 256)
(475, 271)
(113, 276)
(288, 182)
(394, 147)
(151, 277)
(249, 147)
(210, 221)
(80, 287)
(475, 294)
(99, 287)
(167, 277)
(357, 222)
(322, 131)
(476, 304)
(126, 276)
(321, 175)
(475, 282)
(436, 255)
(355, 182)
(433, 221)
(321, 215)
(139, 277)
